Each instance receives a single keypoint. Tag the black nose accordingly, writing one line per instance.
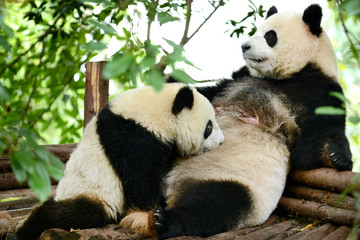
(245, 47)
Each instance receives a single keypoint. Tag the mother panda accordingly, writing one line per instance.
(266, 112)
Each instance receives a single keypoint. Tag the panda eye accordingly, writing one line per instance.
(208, 129)
(271, 38)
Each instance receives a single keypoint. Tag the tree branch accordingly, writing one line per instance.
(32, 124)
(185, 38)
(347, 34)
(41, 38)
(221, 3)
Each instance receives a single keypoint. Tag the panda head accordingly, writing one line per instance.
(196, 129)
(286, 42)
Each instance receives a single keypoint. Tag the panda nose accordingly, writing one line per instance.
(245, 47)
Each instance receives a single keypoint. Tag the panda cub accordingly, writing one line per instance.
(266, 113)
(125, 152)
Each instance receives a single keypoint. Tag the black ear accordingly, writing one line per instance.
(184, 99)
(271, 11)
(312, 17)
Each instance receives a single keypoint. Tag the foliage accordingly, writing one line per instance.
(242, 25)
(346, 14)
(43, 47)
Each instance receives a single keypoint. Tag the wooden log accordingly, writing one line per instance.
(340, 233)
(8, 181)
(61, 151)
(18, 204)
(268, 232)
(297, 207)
(232, 234)
(321, 196)
(96, 90)
(314, 233)
(324, 178)
(7, 178)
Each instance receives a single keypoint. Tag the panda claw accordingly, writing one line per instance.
(338, 158)
(158, 217)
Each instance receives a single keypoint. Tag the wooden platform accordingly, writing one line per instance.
(306, 211)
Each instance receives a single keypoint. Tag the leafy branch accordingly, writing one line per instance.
(348, 33)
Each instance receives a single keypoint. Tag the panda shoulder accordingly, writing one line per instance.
(242, 72)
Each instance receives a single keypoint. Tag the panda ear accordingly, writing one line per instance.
(312, 17)
(271, 11)
(184, 99)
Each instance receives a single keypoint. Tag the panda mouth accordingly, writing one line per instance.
(258, 60)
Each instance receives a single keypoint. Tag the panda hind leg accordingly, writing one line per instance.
(204, 209)
(75, 213)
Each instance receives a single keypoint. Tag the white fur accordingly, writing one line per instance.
(89, 173)
(249, 155)
(293, 50)
(156, 116)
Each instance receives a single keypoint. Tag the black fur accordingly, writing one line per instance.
(184, 99)
(305, 91)
(75, 213)
(271, 38)
(312, 17)
(137, 156)
(271, 11)
(204, 209)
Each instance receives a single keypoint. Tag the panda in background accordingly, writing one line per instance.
(266, 113)
(125, 151)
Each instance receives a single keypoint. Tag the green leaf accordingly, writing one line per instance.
(94, 46)
(4, 95)
(117, 66)
(17, 167)
(5, 44)
(40, 182)
(53, 166)
(148, 62)
(156, 79)
(339, 96)
(164, 17)
(352, 7)
(107, 28)
(329, 110)
(354, 119)
(182, 76)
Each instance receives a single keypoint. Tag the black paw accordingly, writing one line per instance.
(159, 218)
(339, 156)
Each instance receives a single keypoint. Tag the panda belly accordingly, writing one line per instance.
(250, 157)
(89, 174)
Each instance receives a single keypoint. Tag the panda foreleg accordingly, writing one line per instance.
(81, 212)
(204, 208)
(322, 144)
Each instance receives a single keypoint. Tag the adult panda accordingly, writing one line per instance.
(266, 112)
(124, 153)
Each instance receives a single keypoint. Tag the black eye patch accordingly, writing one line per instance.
(208, 129)
(271, 38)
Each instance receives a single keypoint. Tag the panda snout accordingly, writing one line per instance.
(245, 47)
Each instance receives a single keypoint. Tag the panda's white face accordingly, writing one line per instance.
(284, 45)
(197, 130)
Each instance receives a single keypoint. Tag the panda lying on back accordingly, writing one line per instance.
(266, 112)
(125, 151)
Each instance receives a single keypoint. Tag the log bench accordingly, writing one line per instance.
(309, 209)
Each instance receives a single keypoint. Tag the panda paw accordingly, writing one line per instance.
(159, 218)
(337, 156)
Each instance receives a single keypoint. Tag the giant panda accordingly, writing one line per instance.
(124, 153)
(266, 112)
